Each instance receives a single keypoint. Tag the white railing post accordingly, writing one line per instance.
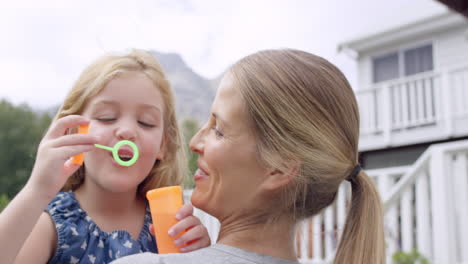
(404, 104)
(446, 102)
(407, 220)
(460, 184)
(423, 226)
(386, 116)
(443, 236)
(341, 209)
(317, 237)
(372, 112)
(430, 97)
(304, 239)
(420, 99)
(464, 85)
(384, 184)
(412, 110)
(329, 232)
(397, 114)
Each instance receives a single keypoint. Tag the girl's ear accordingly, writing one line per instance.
(280, 177)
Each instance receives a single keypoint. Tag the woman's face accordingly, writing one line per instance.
(129, 107)
(229, 175)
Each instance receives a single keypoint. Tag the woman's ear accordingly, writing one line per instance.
(280, 177)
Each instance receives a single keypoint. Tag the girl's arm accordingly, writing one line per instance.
(51, 170)
(41, 244)
(17, 221)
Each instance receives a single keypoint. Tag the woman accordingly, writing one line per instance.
(282, 136)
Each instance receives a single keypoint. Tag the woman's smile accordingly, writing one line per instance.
(200, 175)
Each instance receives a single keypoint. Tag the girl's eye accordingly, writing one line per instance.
(106, 120)
(218, 133)
(146, 124)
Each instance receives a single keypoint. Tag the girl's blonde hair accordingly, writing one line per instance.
(303, 111)
(170, 170)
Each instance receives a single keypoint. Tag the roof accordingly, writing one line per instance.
(423, 27)
(460, 6)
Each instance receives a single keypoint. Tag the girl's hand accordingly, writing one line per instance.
(195, 236)
(53, 163)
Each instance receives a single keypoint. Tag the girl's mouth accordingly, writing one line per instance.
(125, 154)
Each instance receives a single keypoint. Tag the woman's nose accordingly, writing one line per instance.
(197, 142)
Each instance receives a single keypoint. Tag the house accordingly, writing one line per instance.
(413, 98)
(411, 89)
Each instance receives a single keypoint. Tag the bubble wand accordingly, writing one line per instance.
(115, 152)
(78, 159)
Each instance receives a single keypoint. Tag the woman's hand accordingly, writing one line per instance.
(195, 236)
(53, 163)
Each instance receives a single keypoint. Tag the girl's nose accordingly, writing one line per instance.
(125, 133)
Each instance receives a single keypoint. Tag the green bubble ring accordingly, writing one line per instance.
(115, 152)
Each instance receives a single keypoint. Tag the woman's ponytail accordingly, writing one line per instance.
(362, 240)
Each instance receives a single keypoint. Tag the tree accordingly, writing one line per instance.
(189, 128)
(3, 201)
(413, 257)
(21, 130)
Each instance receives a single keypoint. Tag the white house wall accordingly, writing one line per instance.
(451, 48)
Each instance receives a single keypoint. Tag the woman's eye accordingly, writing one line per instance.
(218, 133)
(146, 124)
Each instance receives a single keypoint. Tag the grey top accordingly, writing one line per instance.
(217, 253)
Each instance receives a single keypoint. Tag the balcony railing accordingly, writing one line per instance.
(421, 108)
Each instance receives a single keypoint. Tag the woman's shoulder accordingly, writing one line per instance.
(236, 255)
(218, 254)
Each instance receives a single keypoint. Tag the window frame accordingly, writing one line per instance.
(400, 51)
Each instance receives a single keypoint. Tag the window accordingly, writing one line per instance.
(402, 63)
(418, 60)
(386, 68)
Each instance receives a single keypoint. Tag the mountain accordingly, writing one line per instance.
(193, 93)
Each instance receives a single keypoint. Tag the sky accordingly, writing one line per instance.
(46, 44)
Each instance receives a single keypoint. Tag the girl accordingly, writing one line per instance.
(101, 213)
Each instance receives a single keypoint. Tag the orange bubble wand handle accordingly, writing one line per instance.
(164, 204)
(78, 159)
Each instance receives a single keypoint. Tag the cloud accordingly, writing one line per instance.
(32, 82)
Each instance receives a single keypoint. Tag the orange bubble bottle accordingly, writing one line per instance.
(164, 204)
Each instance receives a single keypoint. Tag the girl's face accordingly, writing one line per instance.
(229, 176)
(129, 107)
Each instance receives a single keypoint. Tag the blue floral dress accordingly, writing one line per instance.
(80, 240)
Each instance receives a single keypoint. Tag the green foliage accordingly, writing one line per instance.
(21, 130)
(3, 201)
(189, 129)
(413, 257)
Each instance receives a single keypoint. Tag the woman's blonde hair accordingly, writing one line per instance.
(170, 170)
(303, 111)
